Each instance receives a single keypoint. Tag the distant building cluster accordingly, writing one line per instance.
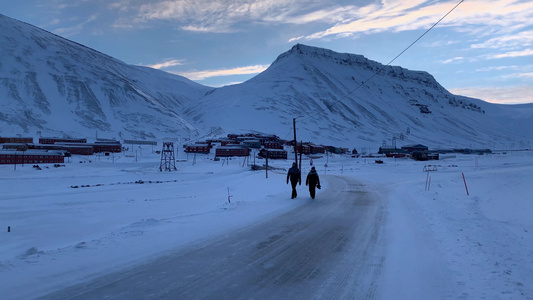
(422, 152)
(268, 146)
(21, 150)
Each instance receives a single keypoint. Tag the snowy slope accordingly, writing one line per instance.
(59, 87)
(324, 90)
(53, 86)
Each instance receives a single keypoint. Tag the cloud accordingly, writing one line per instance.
(510, 41)
(167, 64)
(475, 17)
(522, 53)
(496, 68)
(201, 75)
(76, 29)
(526, 75)
(212, 15)
(228, 16)
(455, 59)
(501, 95)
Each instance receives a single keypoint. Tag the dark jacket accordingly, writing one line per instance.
(312, 179)
(294, 175)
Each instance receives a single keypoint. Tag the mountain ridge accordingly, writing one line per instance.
(57, 87)
(45, 78)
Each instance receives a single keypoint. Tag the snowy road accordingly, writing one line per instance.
(329, 247)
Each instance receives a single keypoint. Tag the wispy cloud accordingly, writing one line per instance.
(452, 60)
(212, 15)
(510, 41)
(526, 75)
(502, 95)
(228, 16)
(496, 68)
(75, 29)
(167, 64)
(396, 15)
(201, 75)
(522, 53)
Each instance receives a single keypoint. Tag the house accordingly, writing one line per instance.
(316, 149)
(227, 151)
(21, 140)
(273, 153)
(198, 148)
(225, 142)
(32, 157)
(272, 145)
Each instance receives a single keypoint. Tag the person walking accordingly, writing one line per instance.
(313, 181)
(295, 176)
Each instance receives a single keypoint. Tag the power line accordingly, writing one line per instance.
(402, 52)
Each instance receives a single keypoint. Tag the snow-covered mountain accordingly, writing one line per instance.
(324, 91)
(58, 87)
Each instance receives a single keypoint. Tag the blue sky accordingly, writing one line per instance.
(482, 49)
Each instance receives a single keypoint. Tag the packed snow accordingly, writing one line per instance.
(447, 236)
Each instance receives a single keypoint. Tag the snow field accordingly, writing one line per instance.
(440, 242)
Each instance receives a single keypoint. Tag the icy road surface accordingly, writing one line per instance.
(330, 247)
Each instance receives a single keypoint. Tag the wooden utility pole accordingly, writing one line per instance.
(266, 158)
(295, 146)
(301, 151)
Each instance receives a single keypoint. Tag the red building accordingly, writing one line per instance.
(231, 151)
(96, 147)
(106, 147)
(273, 153)
(60, 140)
(229, 142)
(32, 157)
(198, 148)
(16, 140)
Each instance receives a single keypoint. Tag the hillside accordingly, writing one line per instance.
(58, 87)
(323, 90)
(55, 87)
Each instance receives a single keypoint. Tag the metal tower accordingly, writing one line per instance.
(168, 162)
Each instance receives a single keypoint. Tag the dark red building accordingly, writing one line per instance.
(198, 148)
(60, 140)
(16, 140)
(32, 157)
(273, 153)
(231, 151)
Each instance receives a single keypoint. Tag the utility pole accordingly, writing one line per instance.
(295, 147)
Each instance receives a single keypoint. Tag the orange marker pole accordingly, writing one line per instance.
(465, 184)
